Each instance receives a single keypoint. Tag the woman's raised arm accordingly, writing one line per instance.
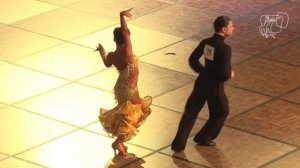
(126, 34)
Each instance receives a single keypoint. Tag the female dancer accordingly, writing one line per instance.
(123, 120)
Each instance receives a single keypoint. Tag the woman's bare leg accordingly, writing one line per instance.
(118, 144)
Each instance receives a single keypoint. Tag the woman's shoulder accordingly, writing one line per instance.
(111, 53)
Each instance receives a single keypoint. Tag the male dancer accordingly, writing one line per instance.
(209, 86)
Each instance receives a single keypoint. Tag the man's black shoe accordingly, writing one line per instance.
(209, 143)
(177, 149)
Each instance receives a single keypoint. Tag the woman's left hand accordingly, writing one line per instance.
(100, 49)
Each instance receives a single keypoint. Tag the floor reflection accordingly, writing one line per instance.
(214, 156)
(124, 161)
(177, 159)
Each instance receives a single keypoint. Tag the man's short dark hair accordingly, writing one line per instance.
(220, 22)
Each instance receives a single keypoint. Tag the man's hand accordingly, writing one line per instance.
(232, 74)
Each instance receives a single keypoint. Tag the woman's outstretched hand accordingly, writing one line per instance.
(100, 49)
(126, 13)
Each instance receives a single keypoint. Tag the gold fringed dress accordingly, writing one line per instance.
(126, 117)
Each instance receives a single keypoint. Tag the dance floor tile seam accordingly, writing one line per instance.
(104, 134)
(247, 110)
(209, 12)
(226, 125)
(3, 156)
(46, 142)
(76, 80)
(36, 70)
(63, 41)
(281, 157)
(275, 60)
(60, 3)
(24, 162)
(183, 159)
(91, 86)
(48, 117)
(14, 36)
(24, 9)
(272, 98)
(257, 74)
(285, 131)
(51, 37)
(292, 97)
(262, 56)
(115, 16)
(219, 160)
(70, 81)
(4, 106)
(291, 158)
(290, 101)
(70, 40)
(230, 12)
(260, 53)
(167, 91)
(42, 93)
(179, 31)
(269, 7)
(278, 158)
(173, 157)
(69, 13)
(289, 58)
(264, 94)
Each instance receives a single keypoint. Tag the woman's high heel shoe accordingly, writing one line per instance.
(120, 147)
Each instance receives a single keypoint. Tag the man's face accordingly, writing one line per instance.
(229, 29)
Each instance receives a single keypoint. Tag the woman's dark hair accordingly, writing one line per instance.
(118, 35)
(220, 22)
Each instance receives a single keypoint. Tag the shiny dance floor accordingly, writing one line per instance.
(52, 83)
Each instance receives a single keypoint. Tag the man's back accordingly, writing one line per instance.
(217, 58)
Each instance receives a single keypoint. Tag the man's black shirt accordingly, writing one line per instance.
(217, 58)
